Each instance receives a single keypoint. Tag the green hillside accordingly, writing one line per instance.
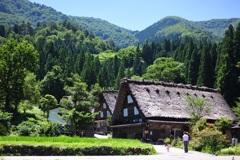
(173, 27)
(122, 37)
(16, 11)
(217, 27)
(13, 12)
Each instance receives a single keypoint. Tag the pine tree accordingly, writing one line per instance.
(96, 66)
(120, 75)
(225, 75)
(188, 62)
(205, 74)
(237, 60)
(88, 74)
(193, 68)
(115, 66)
(137, 65)
(2, 31)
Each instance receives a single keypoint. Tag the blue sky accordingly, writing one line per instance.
(139, 14)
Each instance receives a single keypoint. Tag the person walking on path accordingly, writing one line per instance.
(185, 141)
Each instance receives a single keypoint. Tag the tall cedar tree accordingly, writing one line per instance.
(88, 74)
(120, 75)
(227, 79)
(205, 74)
(188, 62)
(137, 65)
(193, 67)
(236, 42)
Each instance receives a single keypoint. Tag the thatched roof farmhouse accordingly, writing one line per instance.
(159, 109)
(107, 100)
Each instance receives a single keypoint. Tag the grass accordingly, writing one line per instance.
(72, 142)
(233, 150)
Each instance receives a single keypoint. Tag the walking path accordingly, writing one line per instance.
(173, 154)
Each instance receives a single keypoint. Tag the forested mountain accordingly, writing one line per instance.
(107, 31)
(16, 11)
(217, 27)
(173, 27)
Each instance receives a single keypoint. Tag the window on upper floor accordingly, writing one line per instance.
(108, 113)
(136, 112)
(125, 112)
(104, 105)
(129, 99)
(101, 114)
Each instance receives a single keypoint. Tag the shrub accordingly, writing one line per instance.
(27, 128)
(223, 124)
(177, 143)
(228, 151)
(167, 140)
(52, 130)
(208, 140)
(231, 150)
(3, 130)
(33, 127)
(200, 125)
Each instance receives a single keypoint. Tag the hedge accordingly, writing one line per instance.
(27, 150)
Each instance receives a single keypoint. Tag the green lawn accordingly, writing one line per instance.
(63, 145)
(65, 141)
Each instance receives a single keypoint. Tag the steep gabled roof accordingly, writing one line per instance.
(168, 100)
(110, 98)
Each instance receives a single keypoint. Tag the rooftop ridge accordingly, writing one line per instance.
(168, 84)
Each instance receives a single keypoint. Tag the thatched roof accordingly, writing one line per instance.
(110, 99)
(168, 100)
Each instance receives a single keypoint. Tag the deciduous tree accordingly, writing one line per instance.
(196, 108)
(16, 60)
(165, 69)
(48, 102)
(53, 83)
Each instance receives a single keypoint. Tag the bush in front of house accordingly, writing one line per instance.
(233, 150)
(209, 140)
(200, 125)
(177, 143)
(223, 124)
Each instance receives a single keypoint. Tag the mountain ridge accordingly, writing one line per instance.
(170, 27)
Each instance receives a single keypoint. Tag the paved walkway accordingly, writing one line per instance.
(173, 154)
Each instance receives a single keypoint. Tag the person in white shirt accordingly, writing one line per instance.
(185, 141)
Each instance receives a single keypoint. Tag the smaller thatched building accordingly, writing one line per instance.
(152, 111)
(107, 100)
